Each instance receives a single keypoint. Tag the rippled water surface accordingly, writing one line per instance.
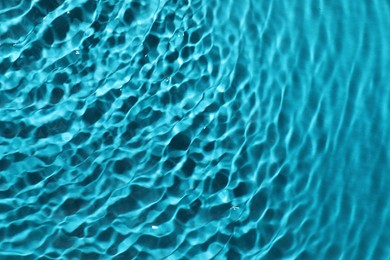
(194, 129)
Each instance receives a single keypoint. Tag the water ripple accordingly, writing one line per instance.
(177, 129)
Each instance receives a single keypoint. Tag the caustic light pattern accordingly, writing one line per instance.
(194, 129)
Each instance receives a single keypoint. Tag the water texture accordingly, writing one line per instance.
(194, 129)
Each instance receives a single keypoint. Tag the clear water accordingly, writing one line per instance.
(194, 129)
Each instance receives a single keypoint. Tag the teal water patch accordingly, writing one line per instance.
(194, 129)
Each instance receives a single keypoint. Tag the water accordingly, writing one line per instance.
(202, 129)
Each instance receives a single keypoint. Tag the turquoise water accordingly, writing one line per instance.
(194, 129)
